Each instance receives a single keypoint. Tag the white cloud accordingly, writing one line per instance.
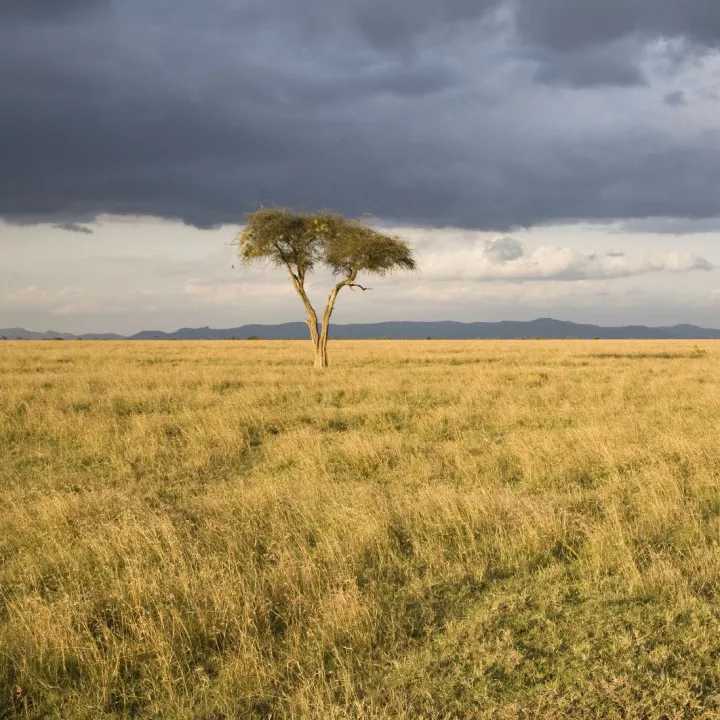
(507, 259)
(512, 292)
(504, 249)
(73, 300)
(38, 296)
(164, 275)
(221, 293)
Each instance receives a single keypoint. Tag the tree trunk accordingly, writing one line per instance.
(321, 356)
(312, 321)
(318, 332)
(319, 340)
(321, 353)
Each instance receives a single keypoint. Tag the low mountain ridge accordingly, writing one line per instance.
(19, 333)
(545, 328)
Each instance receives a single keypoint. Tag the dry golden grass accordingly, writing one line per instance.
(429, 529)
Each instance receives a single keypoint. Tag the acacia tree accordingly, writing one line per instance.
(301, 242)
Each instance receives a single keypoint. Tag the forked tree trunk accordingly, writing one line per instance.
(319, 332)
(320, 345)
(311, 319)
(321, 354)
(319, 340)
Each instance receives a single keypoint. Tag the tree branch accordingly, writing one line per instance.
(352, 286)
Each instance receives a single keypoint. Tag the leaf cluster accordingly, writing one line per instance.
(302, 241)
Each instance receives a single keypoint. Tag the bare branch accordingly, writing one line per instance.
(352, 286)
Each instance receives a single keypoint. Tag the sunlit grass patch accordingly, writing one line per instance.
(428, 529)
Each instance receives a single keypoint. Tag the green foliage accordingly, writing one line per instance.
(303, 241)
(358, 248)
(285, 239)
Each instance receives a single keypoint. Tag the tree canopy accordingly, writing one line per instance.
(301, 242)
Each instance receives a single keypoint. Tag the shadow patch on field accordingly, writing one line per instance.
(434, 361)
(225, 386)
(695, 355)
(125, 407)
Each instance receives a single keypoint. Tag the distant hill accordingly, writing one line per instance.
(22, 333)
(540, 328)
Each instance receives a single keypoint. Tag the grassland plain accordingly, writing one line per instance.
(478, 529)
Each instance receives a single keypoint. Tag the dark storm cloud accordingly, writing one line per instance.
(675, 99)
(390, 24)
(591, 68)
(47, 9)
(199, 111)
(578, 34)
(568, 24)
(73, 227)
(672, 226)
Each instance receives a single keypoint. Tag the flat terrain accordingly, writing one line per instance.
(477, 529)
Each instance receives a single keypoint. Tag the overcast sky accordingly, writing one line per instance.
(546, 157)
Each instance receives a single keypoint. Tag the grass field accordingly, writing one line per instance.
(481, 529)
